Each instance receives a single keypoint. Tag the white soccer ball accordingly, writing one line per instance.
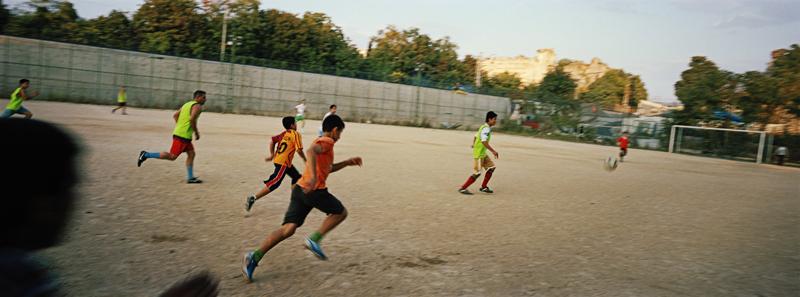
(610, 164)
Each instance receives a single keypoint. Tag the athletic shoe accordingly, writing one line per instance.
(113, 110)
(486, 190)
(249, 203)
(194, 180)
(315, 249)
(464, 191)
(248, 266)
(141, 158)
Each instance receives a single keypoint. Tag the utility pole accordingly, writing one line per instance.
(224, 30)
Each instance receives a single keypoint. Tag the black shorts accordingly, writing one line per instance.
(302, 204)
(623, 151)
(122, 103)
(274, 180)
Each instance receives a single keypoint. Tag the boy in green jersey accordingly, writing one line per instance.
(14, 106)
(480, 144)
(185, 126)
(122, 100)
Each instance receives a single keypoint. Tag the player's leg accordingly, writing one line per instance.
(295, 216)
(476, 172)
(7, 113)
(124, 108)
(190, 154)
(24, 111)
(293, 174)
(270, 184)
(329, 204)
(487, 164)
(178, 147)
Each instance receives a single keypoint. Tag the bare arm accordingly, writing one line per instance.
(271, 150)
(176, 114)
(473, 141)
(25, 95)
(302, 155)
(196, 110)
(345, 163)
(491, 149)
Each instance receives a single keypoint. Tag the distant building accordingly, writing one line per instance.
(531, 70)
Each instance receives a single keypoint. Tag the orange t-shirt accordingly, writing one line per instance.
(290, 142)
(324, 164)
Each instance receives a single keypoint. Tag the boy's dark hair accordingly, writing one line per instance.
(24, 80)
(332, 121)
(626, 132)
(332, 106)
(34, 215)
(287, 122)
(490, 115)
(199, 93)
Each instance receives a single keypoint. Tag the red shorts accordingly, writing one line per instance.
(180, 145)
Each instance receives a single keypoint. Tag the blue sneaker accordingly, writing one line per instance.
(248, 266)
(314, 247)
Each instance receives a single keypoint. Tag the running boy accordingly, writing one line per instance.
(480, 143)
(300, 118)
(622, 141)
(122, 100)
(288, 143)
(15, 104)
(331, 110)
(185, 126)
(309, 193)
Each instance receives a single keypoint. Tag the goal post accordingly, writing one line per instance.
(723, 143)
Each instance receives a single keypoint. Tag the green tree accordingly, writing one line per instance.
(413, 53)
(557, 90)
(5, 16)
(114, 30)
(759, 99)
(703, 89)
(171, 27)
(52, 20)
(610, 90)
(785, 69)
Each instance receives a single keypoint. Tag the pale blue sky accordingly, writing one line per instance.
(654, 39)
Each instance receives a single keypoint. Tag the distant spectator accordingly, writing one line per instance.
(781, 153)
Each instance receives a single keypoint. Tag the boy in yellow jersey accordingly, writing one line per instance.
(15, 104)
(185, 126)
(122, 100)
(480, 160)
(310, 192)
(288, 142)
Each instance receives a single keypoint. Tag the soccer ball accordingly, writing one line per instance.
(610, 164)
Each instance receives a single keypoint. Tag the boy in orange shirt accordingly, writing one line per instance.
(288, 142)
(309, 193)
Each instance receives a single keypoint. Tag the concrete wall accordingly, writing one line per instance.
(85, 74)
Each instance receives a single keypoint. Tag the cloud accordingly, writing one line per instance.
(743, 13)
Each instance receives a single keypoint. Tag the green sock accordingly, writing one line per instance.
(316, 237)
(257, 255)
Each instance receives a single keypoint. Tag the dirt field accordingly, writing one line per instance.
(558, 225)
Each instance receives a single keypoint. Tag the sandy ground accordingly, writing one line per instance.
(558, 225)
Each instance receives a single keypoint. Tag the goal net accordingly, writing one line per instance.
(733, 144)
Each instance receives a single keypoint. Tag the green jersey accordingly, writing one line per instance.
(16, 100)
(122, 97)
(183, 127)
(484, 134)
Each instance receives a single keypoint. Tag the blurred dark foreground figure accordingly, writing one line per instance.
(38, 174)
